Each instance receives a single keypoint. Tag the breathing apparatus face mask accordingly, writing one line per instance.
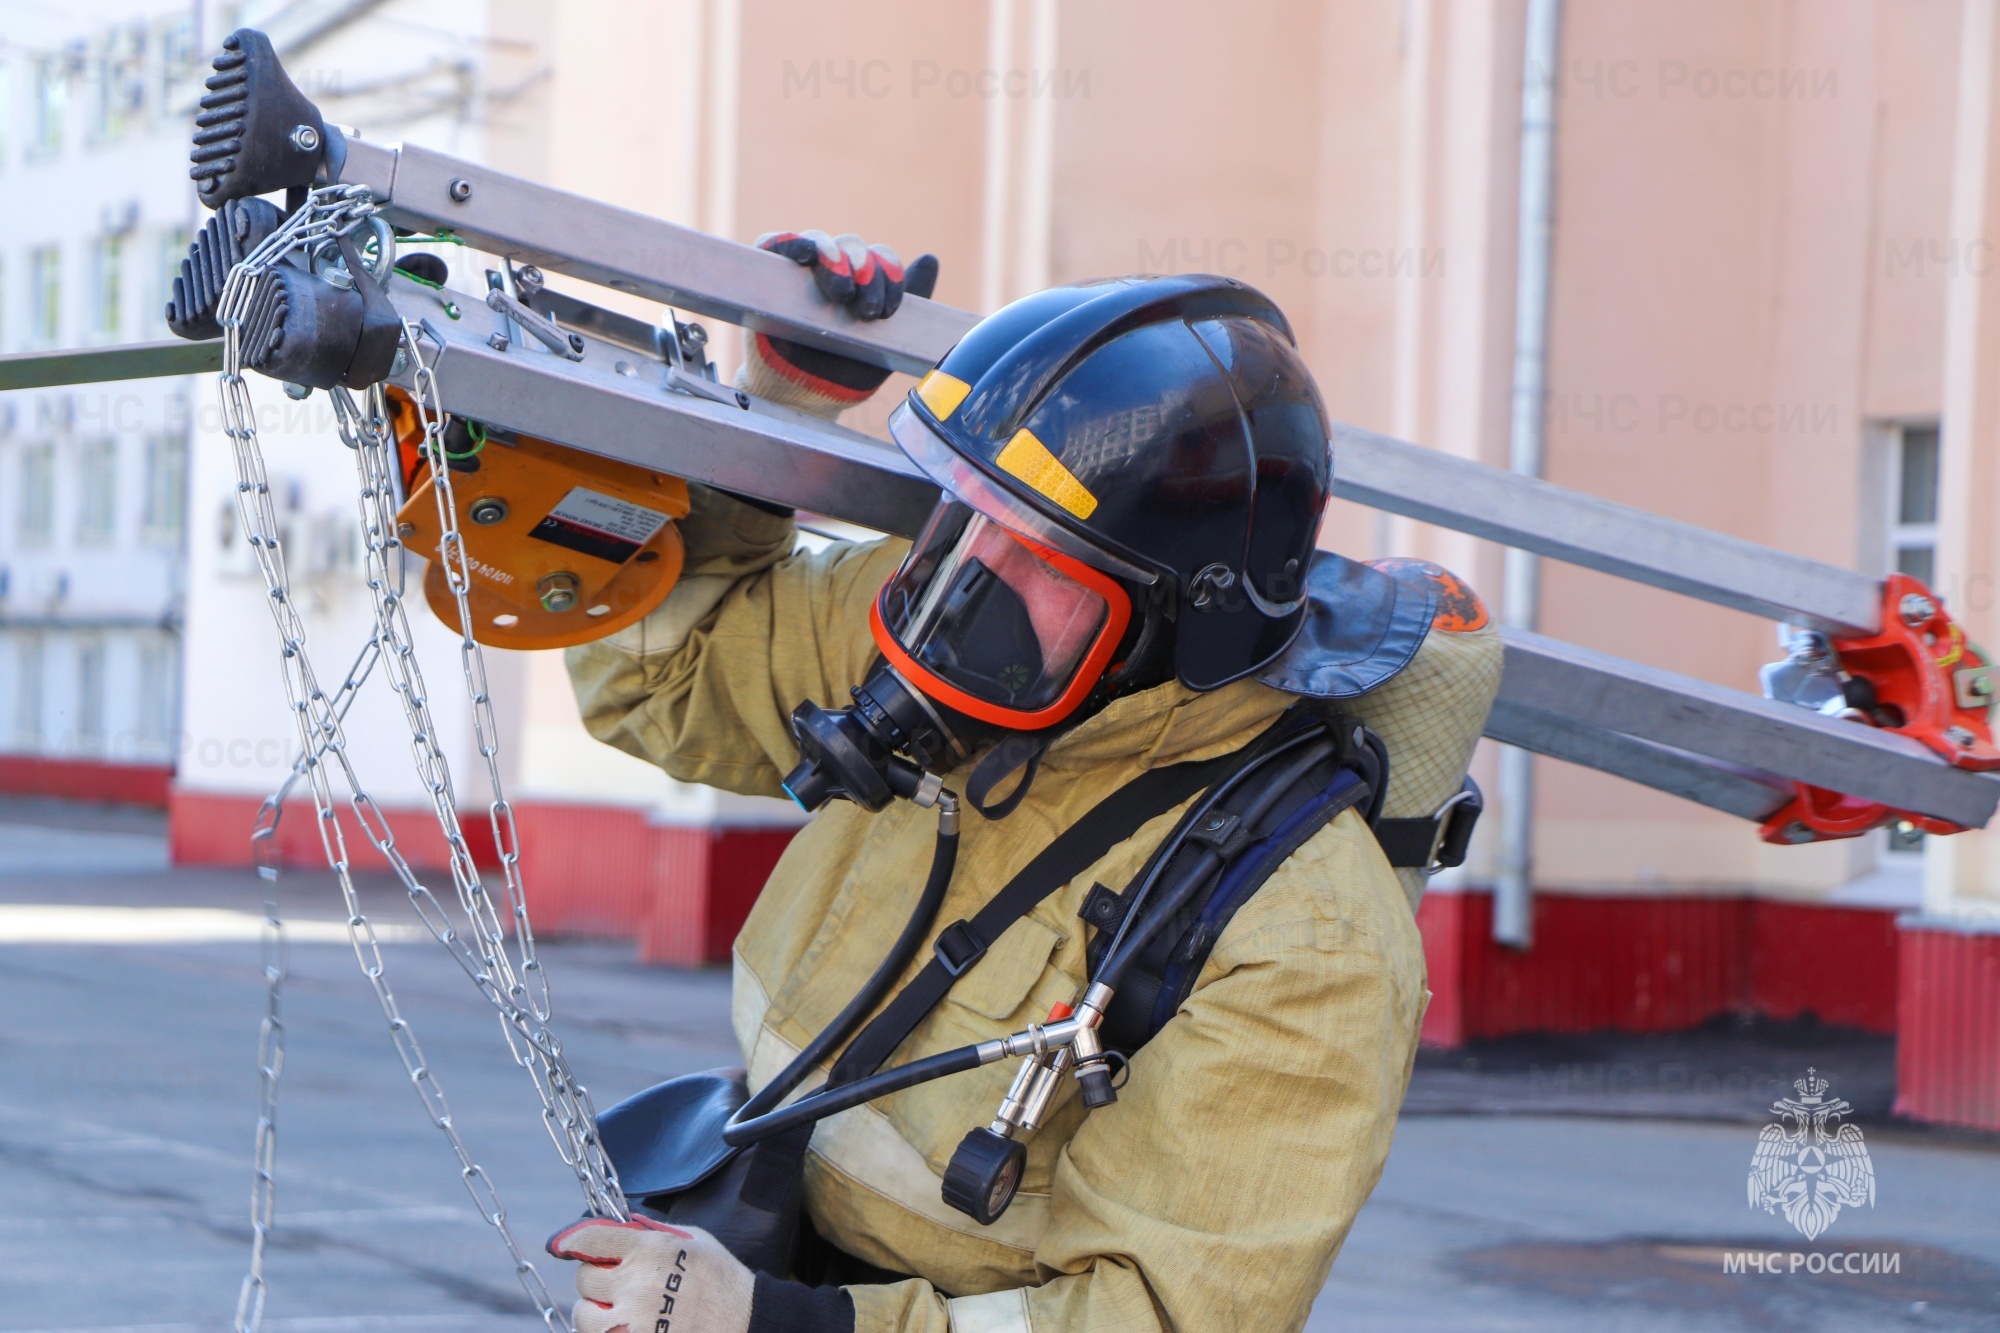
(985, 635)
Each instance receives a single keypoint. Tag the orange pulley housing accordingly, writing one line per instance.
(562, 546)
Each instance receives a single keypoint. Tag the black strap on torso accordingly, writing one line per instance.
(772, 1179)
(963, 943)
(1254, 830)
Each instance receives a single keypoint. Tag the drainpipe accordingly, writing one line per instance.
(1513, 893)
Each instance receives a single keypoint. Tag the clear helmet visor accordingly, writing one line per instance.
(992, 617)
(961, 480)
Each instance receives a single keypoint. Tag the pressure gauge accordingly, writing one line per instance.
(983, 1175)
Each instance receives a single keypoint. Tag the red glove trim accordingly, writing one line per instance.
(556, 1245)
(840, 393)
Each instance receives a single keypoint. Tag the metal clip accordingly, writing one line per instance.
(1974, 686)
(1463, 796)
(568, 346)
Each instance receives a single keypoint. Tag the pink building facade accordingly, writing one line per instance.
(1773, 313)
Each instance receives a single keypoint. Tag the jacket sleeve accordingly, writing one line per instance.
(705, 685)
(1216, 1192)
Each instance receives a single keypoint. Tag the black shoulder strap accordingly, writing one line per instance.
(1436, 841)
(964, 943)
(1291, 808)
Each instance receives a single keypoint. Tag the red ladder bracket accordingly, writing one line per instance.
(1930, 684)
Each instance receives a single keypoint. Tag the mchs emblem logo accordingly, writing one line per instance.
(1809, 1164)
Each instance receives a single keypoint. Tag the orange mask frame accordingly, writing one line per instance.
(1090, 670)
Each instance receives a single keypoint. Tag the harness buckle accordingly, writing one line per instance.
(1455, 820)
(958, 948)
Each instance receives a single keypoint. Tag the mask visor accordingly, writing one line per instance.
(998, 628)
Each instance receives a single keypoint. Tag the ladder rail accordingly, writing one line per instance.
(1721, 747)
(662, 261)
(722, 279)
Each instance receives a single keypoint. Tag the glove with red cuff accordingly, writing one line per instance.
(644, 1276)
(870, 281)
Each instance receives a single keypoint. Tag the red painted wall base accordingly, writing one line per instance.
(213, 829)
(85, 779)
(591, 871)
(588, 868)
(708, 878)
(1653, 964)
(608, 873)
(1948, 1038)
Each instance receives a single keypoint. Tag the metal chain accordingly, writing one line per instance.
(270, 1065)
(327, 214)
(271, 1032)
(520, 997)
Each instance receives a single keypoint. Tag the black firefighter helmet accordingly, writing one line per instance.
(1163, 432)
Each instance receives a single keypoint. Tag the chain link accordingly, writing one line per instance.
(519, 996)
(266, 856)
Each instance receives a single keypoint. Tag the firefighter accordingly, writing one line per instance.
(1120, 577)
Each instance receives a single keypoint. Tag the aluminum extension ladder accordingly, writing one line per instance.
(1799, 773)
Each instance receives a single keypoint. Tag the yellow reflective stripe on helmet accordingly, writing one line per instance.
(1029, 459)
(942, 393)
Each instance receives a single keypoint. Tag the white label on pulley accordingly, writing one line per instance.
(600, 525)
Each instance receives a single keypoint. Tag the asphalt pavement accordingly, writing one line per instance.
(1523, 1191)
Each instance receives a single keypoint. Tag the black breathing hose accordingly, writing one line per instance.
(1112, 973)
(753, 1126)
(1208, 803)
(943, 860)
(831, 1101)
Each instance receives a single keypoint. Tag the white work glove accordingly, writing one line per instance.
(643, 1276)
(869, 280)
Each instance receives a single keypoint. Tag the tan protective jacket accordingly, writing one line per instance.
(1215, 1193)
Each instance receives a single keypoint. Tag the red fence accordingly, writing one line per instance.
(1948, 1036)
(1653, 964)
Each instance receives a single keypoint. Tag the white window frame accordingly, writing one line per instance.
(45, 321)
(93, 694)
(1910, 536)
(164, 521)
(35, 509)
(107, 284)
(48, 87)
(97, 491)
(1898, 536)
(30, 690)
(159, 694)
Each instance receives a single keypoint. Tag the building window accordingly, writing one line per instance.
(51, 93)
(165, 516)
(119, 69)
(97, 492)
(1913, 520)
(173, 248)
(6, 108)
(107, 284)
(90, 696)
(159, 691)
(35, 519)
(45, 295)
(1913, 514)
(28, 691)
(177, 59)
